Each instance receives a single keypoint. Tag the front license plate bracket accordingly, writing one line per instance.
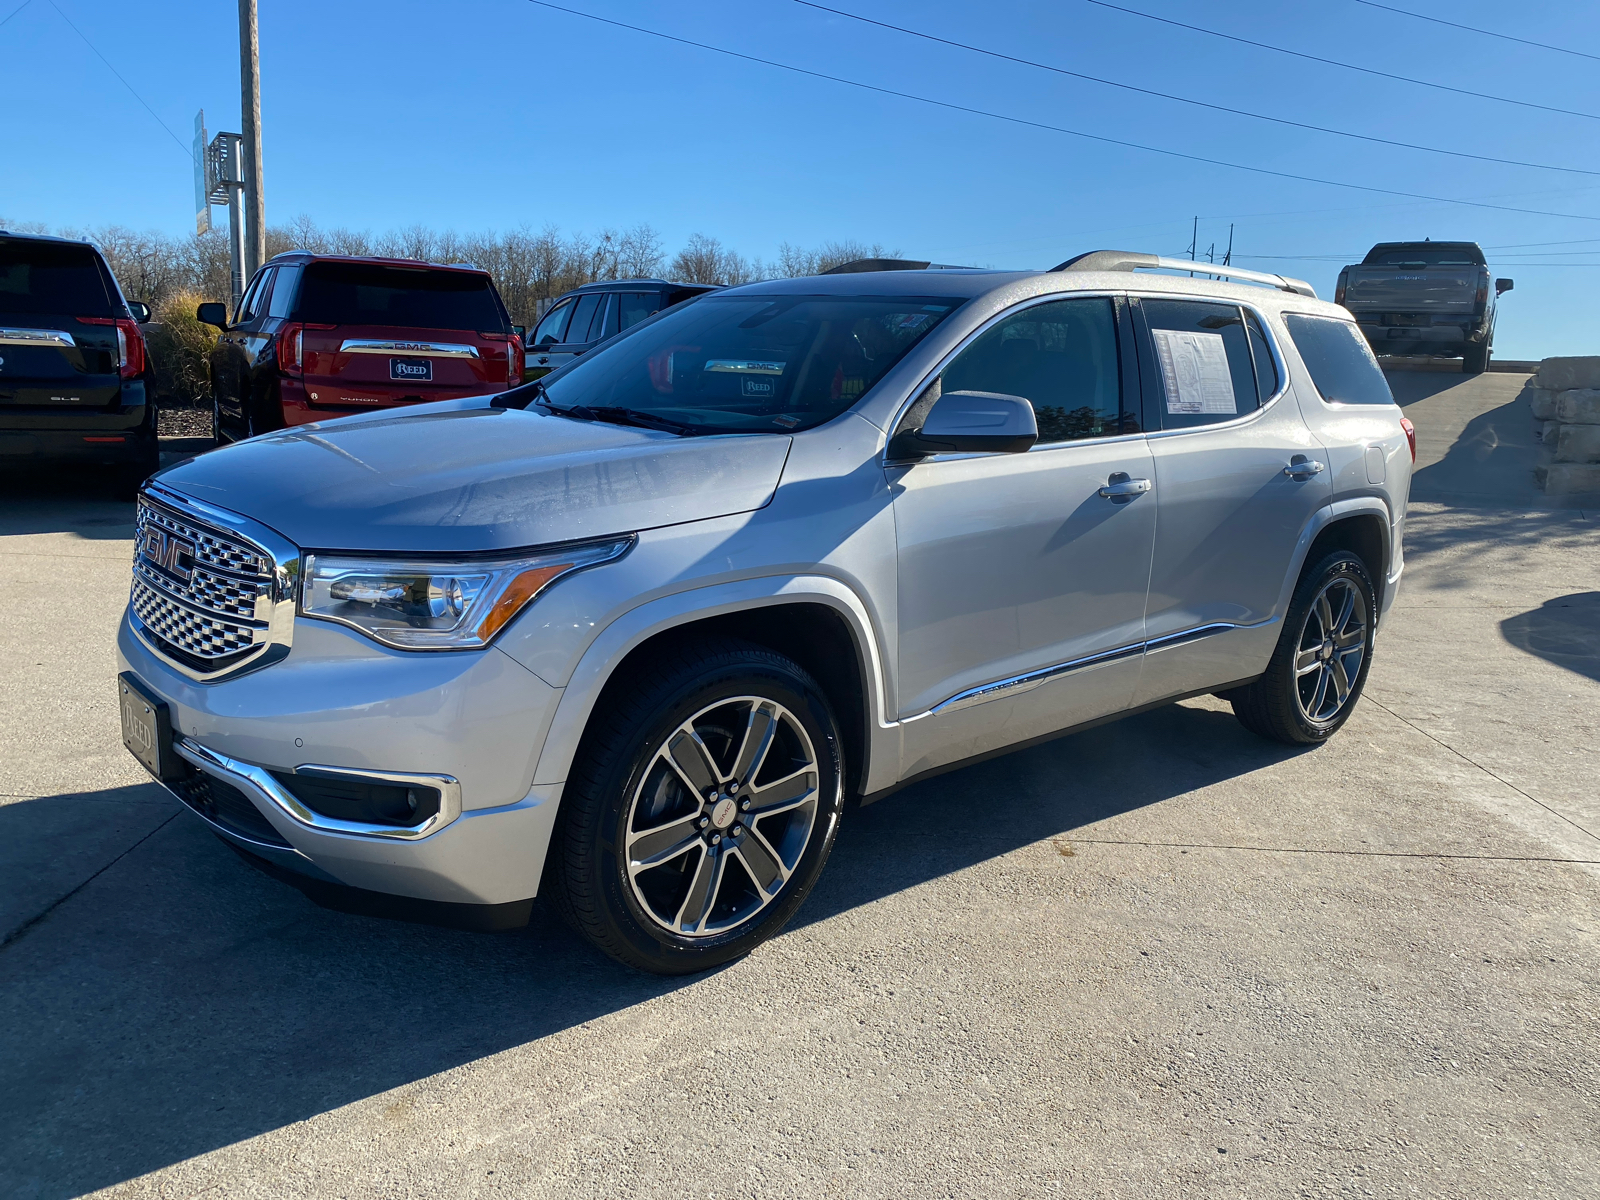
(147, 729)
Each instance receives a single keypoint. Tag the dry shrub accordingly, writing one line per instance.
(180, 348)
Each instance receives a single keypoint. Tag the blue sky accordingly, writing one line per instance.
(498, 113)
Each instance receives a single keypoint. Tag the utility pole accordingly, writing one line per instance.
(1194, 242)
(1227, 259)
(255, 232)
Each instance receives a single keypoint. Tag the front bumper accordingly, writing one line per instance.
(477, 719)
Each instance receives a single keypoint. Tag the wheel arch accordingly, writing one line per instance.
(1360, 525)
(817, 621)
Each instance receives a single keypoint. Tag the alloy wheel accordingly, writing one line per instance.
(721, 817)
(1332, 647)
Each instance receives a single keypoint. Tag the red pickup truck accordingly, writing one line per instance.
(319, 336)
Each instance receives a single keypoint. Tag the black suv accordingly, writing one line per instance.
(587, 316)
(76, 383)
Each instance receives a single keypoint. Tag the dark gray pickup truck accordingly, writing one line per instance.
(1424, 298)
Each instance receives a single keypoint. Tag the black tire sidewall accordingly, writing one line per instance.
(1340, 564)
(762, 674)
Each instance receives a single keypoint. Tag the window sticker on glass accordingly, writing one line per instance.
(1194, 368)
(744, 366)
(758, 388)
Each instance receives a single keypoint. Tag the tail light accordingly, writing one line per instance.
(1411, 436)
(130, 344)
(290, 339)
(515, 358)
(1338, 288)
(1482, 298)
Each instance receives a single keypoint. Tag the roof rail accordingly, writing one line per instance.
(887, 264)
(1132, 260)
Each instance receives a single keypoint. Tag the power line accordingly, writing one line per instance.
(1443, 87)
(17, 9)
(1473, 29)
(187, 152)
(1093, 137)
(1239, 112)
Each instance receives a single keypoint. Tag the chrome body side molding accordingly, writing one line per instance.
(1018, 684)
(391, 346)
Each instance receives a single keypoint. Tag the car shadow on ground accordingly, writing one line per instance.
(73, 498)
(182, 1002)
(1564, 631)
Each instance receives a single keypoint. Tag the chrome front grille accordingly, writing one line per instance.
(209, 599)
(211, 546)
(196, 634)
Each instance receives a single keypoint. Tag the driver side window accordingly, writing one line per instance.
(553, 325)
(1061, 356)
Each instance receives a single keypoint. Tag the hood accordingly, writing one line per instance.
(466, 477)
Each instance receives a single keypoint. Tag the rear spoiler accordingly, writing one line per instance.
(1132, 260)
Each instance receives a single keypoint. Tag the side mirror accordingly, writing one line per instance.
(971, 422)
(213, 312)
(1502, 286)
(521, 331)
(140, 310)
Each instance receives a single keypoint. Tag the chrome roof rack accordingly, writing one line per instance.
(1132, 260)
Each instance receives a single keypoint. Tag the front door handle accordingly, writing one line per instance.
(1119, 486)
(1301, 467)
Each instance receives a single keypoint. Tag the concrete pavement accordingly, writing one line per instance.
(1163, 958)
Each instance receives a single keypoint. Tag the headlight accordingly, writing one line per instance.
(420, 604)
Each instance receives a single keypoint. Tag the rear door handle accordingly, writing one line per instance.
(1301, 467)
(1124, 486)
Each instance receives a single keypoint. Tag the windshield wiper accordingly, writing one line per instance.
(620, 416)
(648, 420)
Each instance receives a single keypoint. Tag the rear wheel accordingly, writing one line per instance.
(1321, 661)
(704, 802)
(1476, 359)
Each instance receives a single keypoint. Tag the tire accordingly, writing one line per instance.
(709, 884)
(1308, 690)
(1475, 361)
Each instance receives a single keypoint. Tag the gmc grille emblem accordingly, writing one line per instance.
(172, 554)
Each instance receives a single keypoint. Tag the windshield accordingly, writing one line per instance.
(337, 293)
(1425, 254)
(748, 364)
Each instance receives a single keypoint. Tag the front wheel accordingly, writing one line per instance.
(704, 802)
(1320, 665)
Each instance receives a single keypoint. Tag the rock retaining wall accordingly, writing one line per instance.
(1564, 394)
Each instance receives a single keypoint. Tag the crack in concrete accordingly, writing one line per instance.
(1467, 759)
(1351, 853)
(20, 931)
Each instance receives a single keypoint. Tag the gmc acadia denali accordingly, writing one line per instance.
(630, 635)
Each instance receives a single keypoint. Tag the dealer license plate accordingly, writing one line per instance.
(146, 726)
(411, 370)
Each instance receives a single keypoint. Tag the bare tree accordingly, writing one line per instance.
(640, 253)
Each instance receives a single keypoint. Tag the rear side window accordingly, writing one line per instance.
(42, 278)
(1339, 359)
(636, 306)
(1062, 356)
(1204, 369)
(282, 301)
(338, 293)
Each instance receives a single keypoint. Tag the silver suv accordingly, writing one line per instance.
(631, 635)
